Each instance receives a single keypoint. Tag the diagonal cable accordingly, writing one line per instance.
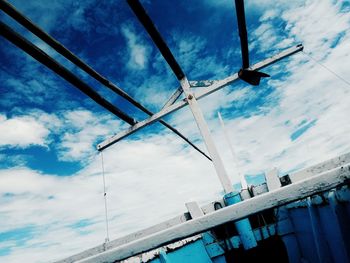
(328, 69)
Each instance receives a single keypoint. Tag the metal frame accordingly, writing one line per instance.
(277, 197)
(151, 29)
(204, 130)
(61, 49)
(250, 75)
(214, 86)
(169, 107)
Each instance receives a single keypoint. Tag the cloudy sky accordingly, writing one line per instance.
(51, 188)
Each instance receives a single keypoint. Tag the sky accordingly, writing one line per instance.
(51, 186)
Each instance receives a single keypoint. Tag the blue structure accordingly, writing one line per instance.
(313, 230)
(243, 226)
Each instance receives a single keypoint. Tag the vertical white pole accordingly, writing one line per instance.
(204, 130)
(235, 161)
(105, 198)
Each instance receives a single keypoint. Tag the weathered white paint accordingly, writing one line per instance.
(201, 83)
(208, 140)
(320, 167)
(244, 183)
(148, 256)
(206, 91)
(259, 189)
(173, 98)
(194, 209)
(209, 208)
(126, 239)
(245, 194)
(315, 184)
(272, 180)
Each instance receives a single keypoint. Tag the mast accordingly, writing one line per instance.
(241, 178)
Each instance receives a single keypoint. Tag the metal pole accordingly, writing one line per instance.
(235, 161)
(105, 198)
(204, 130)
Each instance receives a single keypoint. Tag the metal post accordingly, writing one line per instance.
(244, 184)
(204, 130)
(243, 226)
(211, 244)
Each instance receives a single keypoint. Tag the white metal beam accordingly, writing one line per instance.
(272, 180)
(208, 140)
(173, 98)
(341, 160)
(240, 177)
(218, 84)
(206, 91)
(313, 185)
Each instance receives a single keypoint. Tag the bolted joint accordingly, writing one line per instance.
(190, 96)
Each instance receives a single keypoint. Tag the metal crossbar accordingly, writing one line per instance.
(215, 86)
(61, 49)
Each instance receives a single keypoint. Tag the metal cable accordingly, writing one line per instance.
(105, 198)
(328, 69)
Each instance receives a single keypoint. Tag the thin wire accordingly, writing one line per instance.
(105, 198)
(328, 69)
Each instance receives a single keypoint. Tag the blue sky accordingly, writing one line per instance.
(51, 190)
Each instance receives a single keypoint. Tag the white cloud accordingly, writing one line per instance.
(317, 24)
(49, 205)
(270, 14)
(155, 90)
(25, 131)
(83, 129)
(309, 93)
(140, 177)
(77, 132)
(192, 54)
(138, 51)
